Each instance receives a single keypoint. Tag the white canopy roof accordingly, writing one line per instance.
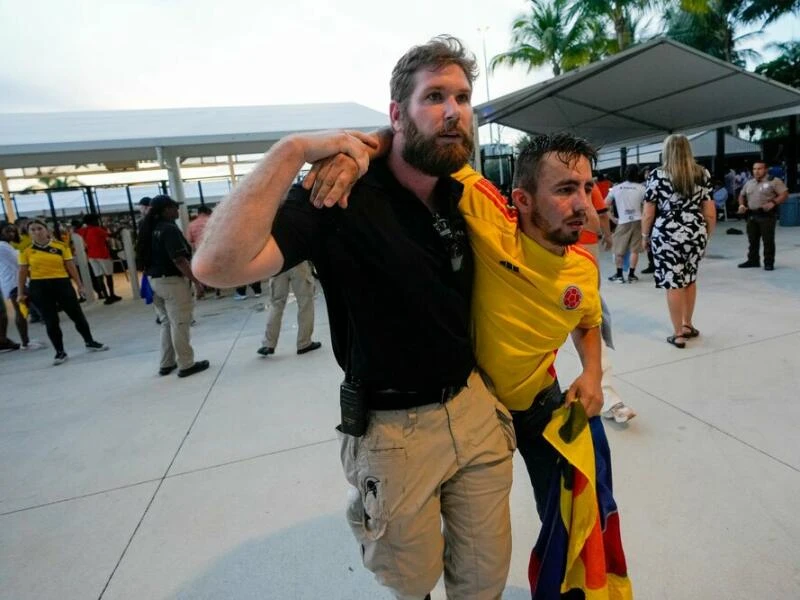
(44, 139)
(642, 94)
(703, 144)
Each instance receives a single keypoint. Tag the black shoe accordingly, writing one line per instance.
(167, 370)
(617, 278)
(112, 299)
(649, 270)
(200, 365)
(8, 345)
(96, 346)
(769, 267)
(632, 278)
(265, 351)
(749, 265)
(310, 347)
(60, 358)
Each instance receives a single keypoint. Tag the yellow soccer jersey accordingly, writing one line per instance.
(525, 299)
(46, 262)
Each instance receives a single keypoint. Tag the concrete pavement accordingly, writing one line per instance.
(119, 484)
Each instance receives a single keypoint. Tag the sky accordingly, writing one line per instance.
(59, 55)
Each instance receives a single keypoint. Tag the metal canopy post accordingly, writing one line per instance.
(130, 206)
(170, 162)
(91, 198)
(477, 164)
(623, 162)
(200, 190)
(231, 171)
(11, 215)
(719, 155)
(56, 228)
(791, 156)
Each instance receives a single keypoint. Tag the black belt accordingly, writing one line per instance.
(162, 276)
(401, 399)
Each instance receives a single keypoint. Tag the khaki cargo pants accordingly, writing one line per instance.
(430, 492)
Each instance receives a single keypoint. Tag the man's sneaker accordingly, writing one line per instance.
(749, 265)
(617, 278)
(60, 358)
(240, 296)
(632, 278)
(112, 299)
(8, 345)
(32, 345)
(257, 295)
(197, 367)
(265, 351)
(167, 370)
(96, 346)
(310, 347)
(649, 270)
(769, 267)
(620, 413)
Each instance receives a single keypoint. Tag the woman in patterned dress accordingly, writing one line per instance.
(678, 219)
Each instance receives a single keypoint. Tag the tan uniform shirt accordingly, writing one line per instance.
(758, 193)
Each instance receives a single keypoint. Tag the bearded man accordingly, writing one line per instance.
(423, 441)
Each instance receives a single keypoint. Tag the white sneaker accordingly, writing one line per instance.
(32, 345)
(620, 413)
(258, 295)
(239, 297)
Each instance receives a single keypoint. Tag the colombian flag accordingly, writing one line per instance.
(579, 555)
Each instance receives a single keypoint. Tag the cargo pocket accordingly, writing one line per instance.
(506, 425)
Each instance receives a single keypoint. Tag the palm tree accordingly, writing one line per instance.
(546, 35)
(621, 14)
(715, 30)
(786, 67)
(770, 10)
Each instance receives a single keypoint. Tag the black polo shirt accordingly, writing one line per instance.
(168, 244)
(397, 280)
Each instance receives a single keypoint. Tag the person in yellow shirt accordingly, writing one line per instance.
(50, 266)
(533, 287)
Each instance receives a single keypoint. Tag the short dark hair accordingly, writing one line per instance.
(632, 173)
(439, 52)
(760, 162)
(566, 147)
(91, 219)
(145, 201)
(203, 210)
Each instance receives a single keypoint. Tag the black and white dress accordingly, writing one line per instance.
(679, 233)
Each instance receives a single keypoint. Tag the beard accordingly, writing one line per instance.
(426, 154)
(556, 235)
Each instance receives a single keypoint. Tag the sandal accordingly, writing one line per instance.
(692, 332)
(673, 339)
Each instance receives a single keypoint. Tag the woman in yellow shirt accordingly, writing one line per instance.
(49, 265)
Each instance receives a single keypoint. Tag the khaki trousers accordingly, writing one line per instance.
(172, 297)
(430, 492)
(302, 283)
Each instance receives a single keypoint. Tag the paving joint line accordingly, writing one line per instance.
(714, 427)
(708, 353)
(174, 457)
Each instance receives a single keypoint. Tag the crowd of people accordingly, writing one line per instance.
(447, 304)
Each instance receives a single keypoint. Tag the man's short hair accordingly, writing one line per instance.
(439, 52)
(632, 173)
(759, 162)
(203, 210)
(565, 146)
(145, 201)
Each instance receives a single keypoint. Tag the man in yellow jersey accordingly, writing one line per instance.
(533, 286)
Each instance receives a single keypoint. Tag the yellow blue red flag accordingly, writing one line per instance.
(579, 555)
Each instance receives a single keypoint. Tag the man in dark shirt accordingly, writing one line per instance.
(166, 255)
(396, 269)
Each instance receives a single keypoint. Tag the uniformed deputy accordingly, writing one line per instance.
(759, 200)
